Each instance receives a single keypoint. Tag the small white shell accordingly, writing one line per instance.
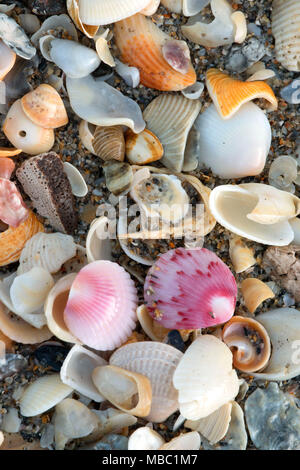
(103, 52)
(145, 438)
(131, 75)
(283, 172)
(45, 46)
(187, 441)
(86, 134)
(77, 371)
(215, 426)
(98, 245)
(84, 60)
(42, 395)
(193, 92)
(77, 181)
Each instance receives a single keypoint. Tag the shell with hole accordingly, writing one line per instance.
(249, 343)
(73, 10)
(145, 438)
(157, 361)
(13, 240)
(143, 148)
(255, 211)
(204, 378)
(109, 143)
(170, 118)
(285, 29)
(129, 391)
(229, 94)
(137, 39)
(237, 147)
(215, 426)
(185, 441)
(8, 59)
(15, 38)
(240, 254)
(100, 104)
(77, 371)
(254, 292)
(42, 394)
(98, 244)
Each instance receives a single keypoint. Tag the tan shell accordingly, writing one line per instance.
(153, 329)
(109, 143)
(249, 343)
(187, 441)
(255, 292)
(143, 148)
(103, 52)
(44, 107)
(215, 426)
(241, 256)
(106, 377)
(73, 10)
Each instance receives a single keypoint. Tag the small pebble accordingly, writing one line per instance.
(291, 93)
(14, 363)
(174, 339)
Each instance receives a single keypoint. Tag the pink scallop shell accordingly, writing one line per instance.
(12, 208)
(190, 289)
(101, 309)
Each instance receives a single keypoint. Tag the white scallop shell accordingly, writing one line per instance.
(98, 245)
(42, 394)
(285, 29)
(77, 371)
(187, 441)
(101, 12)
(77, 181)
(145, 438)
(47, 250)
(215, 426)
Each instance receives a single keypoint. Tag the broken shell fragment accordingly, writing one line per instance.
(152, 328)
(7, 167)
(55, 25)
(171, 298)
(7, 152)
(8, 59)
(240, 22)
(98, 244)
(109, 143)
(249, 343)
(111, 421)
(174, 6)
(77, 371)
(192, 7)
(76, 180)
(187, 441)
(13, 210)
(42, 394)
(157, 361)
(86, 134)
(241, 256)
(151, 8)
(170, 118)
(143, 148)
(73, 10)
(44, 107)
(103, 52)
(215, 426)
(285, 21)
(255, 292)
(193, 92)
(15, 38)
(138, 38)
(128, 391)
(229, 94)
(204, 378)
(24, 134)
(118, 176)
(145, 438)
(130, 75)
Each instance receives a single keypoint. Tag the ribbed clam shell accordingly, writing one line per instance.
(41, 395)
(73, 10)
(285, 29)
(101, 309)
(8, 59)
(101, 12)
(47, 250)
(109, 143)
(170, 118)
(77, 371)
(140, 43)
(187, 441)
(15, 38)
(215, 426)
(157, 361)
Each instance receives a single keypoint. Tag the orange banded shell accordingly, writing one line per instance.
(13, 240)
(109, 143)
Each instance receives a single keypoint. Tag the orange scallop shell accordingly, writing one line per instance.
(229, 94)
(13, 240)
(140, 43)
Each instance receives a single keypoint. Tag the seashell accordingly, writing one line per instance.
(102, 105)
(249, 343)
(77, 182)
(118, 176)
(215, 426)
(204, 378)
(232, 205)
(229, 94)
(6, 152)
(160, 196)
(55, 306)
(29, 290)
(98, 245)
(109, 143)
(15, 38)
(152, 328)
(130, 75)
(73, 10)
(264, 74)
(143, 148)
(11, 421)
(8, 59)
(285, 21)
(157, 361)
(43, 179)
(145, 438)
(177, 304)
(77, 371)
(12, 240)
(187, 441)
(13, 210)
(56, 23)
(1, 438)
(102, 290)
(47, 250)
(255, 292)
(151, 8)
(221, 31)
(177, 55)
(24, 134)
(240, 23)
(193, 92)
(44, 107)
(283, 327)
(128, 391)
(72, 420)
(103, 52)
(84, 60)
(192, 7)
(7, 167)
(86, 134)
(295, 224)
(42, 394)
(30, 23)
(241, 256)
(7, 9)
(170, 118)
(111, 421)
(283, 172)
(109, 11)
(175, 6)
(138, 38)
(20, 331)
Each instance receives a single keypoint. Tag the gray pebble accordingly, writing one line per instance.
(291, 93)
(243, 56)
(14, 363)
(254, 29)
